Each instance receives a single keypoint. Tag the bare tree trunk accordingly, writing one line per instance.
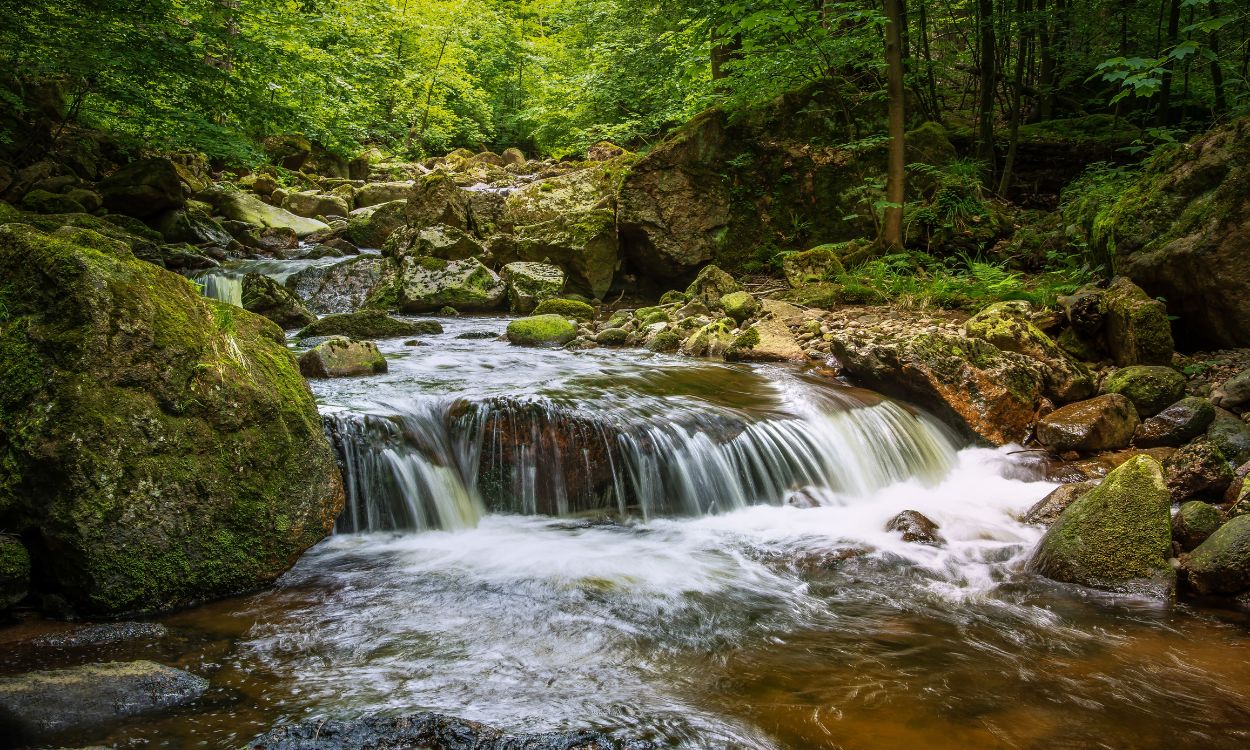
(1217, 72)
(930, 80)
(892, 231)
(985, 107)
(1165, 93)
(1017, 97)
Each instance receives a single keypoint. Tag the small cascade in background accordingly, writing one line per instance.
(442, 463)
(221, 286)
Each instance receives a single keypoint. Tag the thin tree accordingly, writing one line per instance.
(989, 74)
(892, 230)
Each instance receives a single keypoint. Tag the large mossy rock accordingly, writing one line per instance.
(162, 447)
(340, 288)
(1151, 388)
(264, 296)
(1181, 232)
(988, 394)
(811, 266)
(1007, 325)
(1117, 537)
(1137, 329)
(1221, 564)
(376, 193)
(1176, 425)
(1098, 424)
(311, 204)
(530, 284)
(237, 205)
(143, 188)
(541, 330)
(373, 226)
(426, 284)
(342, 358)
(181, 225)
(584, 244)
(436, 199)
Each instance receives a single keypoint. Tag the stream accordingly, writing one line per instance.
(684, 551)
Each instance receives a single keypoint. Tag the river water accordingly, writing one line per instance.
(689, 552)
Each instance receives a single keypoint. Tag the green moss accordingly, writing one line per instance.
(748, 339)
(1151, 389)
(432, 264)
(541, 330)
(673, 297)
(565, 308)
(739, 305)
(665, 341)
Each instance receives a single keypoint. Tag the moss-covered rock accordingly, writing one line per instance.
(531, 283)
(1117, 537)
(612, 337)
(180, 225)
(237, 205)
(162, 446)
(665, 342)
(373, 226)
(1150, 388)
(1007, 325)
(14, 571)
(541, 330)
(1047, 510)
(340, 288)
(143, 188)
(566, 308)
(710, 286)
(768, 340)
(1221, 564)
(1194, 522)
(584, 244)
(819, 264)
(264, 296)
(1137, 329)
(712, 340)
(1231, 436)
(425, 284)
(44, 202)
(311, 204)
(436, 199)
(740, 305)
(1098, 424)
(376, 193)
(448, 243)
(1233, 393)
(1198, 470)
(342, 358)
(1176, 425)
(368, 324)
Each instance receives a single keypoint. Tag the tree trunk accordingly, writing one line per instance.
(1217, 72)
(892, 231)
(1165, 94)
(935, 104)
(1017, 97)
(985, 107)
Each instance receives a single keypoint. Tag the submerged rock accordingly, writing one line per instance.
(1116, 537)
(541, 330)
(429, 732)
(1099, 424)
(264, 296)
(91, 695)
(342, 358)
(163, 444)
(102, 634)
(915, 527)
(368, 324)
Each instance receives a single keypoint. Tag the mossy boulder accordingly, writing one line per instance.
(1231, 435)
(237, 205)
(710, 286)
(768, 340)
(425, 284)
(1098, 424)
(436, 199)
(368, 324)
(373, 226)
(1221, 564)
(311, 204)
(180, 225)
(264, 296)
(1007, 325)
(376, 193)
(1151, 388)
(1176, 425)
(1047, 510)
(340, 288)
(713, 339)
(44, 202)
(821, 263)
(612, 337)
(14, 571)
(448, 243)
(342, 357)
(1117, 537)
(1137, 329)
(1198, 470)
(567, 308)
(740, 305)
(162, 446)
(530, 284)
(1194, 522)
(143, 188)
(1233, 393)
(584, 244)
(541, 330)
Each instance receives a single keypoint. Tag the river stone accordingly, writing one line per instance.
(1099, 424)
(811, 266)
(915, 527)
(566, 308)
(1194, 522)
(1150, 388)
(101, 634)
(541, 330)
(373, 226)
(1230, 435)
(14, 571)
(208, 471)
(1198, 470)
(428, 731)
(1007, 325)
(1116, 537)
(342, 358)
(340, 288)
(740, 306)
(1138, 331)
(1233, 393)
(84, 697)
(264, 296)
(237, 205)
(426, 284)
(1239, 480)
(143, 188)
(375, 193)
(1176, 425)
(531, 283)
(311, 204)
(710, 286)
(1047, 510)
(584, 244)
(1221, 564)
(368, 324)
(611, 337)
(436, 199)
(181, 225)
(448, 243)
(44, 202)
(769, 340)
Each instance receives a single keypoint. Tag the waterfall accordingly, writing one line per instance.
(442, 463)
(222, 286)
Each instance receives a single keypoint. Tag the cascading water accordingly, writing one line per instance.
(226, 282)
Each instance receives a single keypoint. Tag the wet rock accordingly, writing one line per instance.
(566, 308)
(611, 337)
(274, 240)
(710, 286)
(665, 342)
(14, 571)
(769, 340)
(1176, 425)
(143, 188)
(1234, 393)
(340, 288)
(377, 193)
(342, 358)
(740, 306)
(102, 634)
(1007, 325)
(249, 209)
(916, 528)
(1150, 388)
(368, 324)
(264, 296)
(426, 284)
(712, 340)
(166, 367)
(811, 266)
(311, 204)
(1197, 470)
(1047, 510)
(44, 202)
(1138, 331)
(428, 732)
(1230, 435)
(1221, 564)
(181, 225)
(1194, 522)
(318, 252)
(541, 330)
(448, 243)
(477, 335)
(531, 283)
(1099, 424)
(373, 226)
(1117, 537)
(91, 695)
(436, 199)
(1085, 310)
